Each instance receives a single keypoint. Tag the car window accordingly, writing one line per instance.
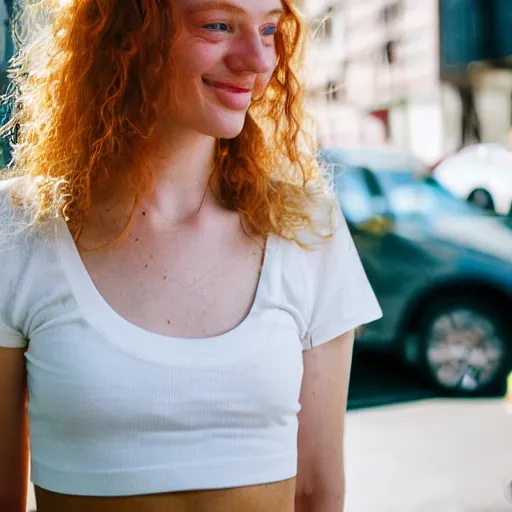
(407, 195)
(375, 159)
(354, 195)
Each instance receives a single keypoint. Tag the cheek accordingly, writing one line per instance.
(262, 81)
(193, 57)
(273, 64)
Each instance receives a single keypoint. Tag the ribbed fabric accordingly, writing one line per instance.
(116, 410)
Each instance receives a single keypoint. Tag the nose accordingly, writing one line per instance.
(252, 56)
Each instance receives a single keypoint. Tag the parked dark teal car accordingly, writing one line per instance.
(441, 268)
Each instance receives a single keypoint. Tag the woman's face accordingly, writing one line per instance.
(224, 55)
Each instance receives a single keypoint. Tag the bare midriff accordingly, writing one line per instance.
(272, 497)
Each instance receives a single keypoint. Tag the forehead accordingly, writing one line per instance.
(254, 7)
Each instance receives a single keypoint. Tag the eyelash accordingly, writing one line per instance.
(209, 26)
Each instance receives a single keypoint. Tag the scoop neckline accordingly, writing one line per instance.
(140, 342)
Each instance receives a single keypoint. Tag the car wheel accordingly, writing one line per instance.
(481, 198)
(464, 347)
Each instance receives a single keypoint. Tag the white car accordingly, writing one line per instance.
(482, 174)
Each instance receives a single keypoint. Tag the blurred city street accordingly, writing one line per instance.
(432, 455)
(418, 452)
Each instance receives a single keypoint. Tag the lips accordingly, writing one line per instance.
(225, 86)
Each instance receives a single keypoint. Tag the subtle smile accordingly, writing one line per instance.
(225, 87)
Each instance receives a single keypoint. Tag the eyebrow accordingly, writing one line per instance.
(226, 6)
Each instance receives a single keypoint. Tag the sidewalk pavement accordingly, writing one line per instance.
(430, 456)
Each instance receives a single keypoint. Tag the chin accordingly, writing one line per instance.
(226, 127)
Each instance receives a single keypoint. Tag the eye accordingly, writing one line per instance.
(269, 30)
(217, 27)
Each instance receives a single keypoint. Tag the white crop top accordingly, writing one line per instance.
(115, 410)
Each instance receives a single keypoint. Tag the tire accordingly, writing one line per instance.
(465, 347)
(481, 197)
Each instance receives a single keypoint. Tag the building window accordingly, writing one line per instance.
(328, 23)
(332, 91)
(390, 12)
(389, 52)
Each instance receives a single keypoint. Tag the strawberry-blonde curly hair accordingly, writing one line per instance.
(88, 93)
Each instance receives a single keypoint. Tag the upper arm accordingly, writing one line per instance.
(323, 402)
(13, 430)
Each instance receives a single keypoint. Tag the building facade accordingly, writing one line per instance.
(391, 69)
(383, 57)
(325, 71)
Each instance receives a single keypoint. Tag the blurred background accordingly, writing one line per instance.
(429, 76)
(413, 105)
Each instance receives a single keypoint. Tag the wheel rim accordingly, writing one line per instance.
(481, 199)
(464, 350)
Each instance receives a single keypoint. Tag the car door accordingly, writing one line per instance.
(390, 260)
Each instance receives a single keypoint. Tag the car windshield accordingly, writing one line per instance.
(375, 159)
(408, 195)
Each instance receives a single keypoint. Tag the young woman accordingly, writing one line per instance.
(177, 283)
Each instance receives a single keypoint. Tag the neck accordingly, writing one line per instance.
(183, 168)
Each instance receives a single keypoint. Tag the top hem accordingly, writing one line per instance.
(172, 478)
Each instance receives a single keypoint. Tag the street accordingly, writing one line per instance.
(416, 452)
(407, 450)
(433, 455)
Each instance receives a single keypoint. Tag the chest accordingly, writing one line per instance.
(187, 284)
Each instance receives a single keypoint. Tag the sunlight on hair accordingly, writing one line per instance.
(63, 85)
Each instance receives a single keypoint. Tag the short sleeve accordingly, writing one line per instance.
(343, 297)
